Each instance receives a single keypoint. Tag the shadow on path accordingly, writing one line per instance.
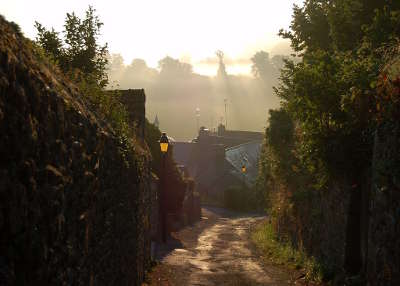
(215, 251)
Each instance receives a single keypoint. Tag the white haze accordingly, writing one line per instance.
(189, 30)
(174, 92)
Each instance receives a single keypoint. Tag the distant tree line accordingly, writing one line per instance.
(177, 81)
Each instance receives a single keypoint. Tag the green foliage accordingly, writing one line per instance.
(282, 252)
(329, 93)
(51, 44)
(333, 100)
(108, 107)
(152, 137)
(280, 130)
(80, 57)
(309, 27)
(80, 49)
(341, 25)
(15, 27)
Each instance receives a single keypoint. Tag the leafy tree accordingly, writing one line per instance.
(278, 62)
(138, 65)
(327, 92)
(221, 65)
(170, 67)
(262, 67)
(84, 60)
(341, 25)
(280, 130)
(266, 71)
(51, 43)
(331, 97)
(80, 50)
(309, 27)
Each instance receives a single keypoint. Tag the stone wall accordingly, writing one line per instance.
(316, 224)
(134, 101)
(356, 226)
(191, 209)
(74, 201)
(383, 264)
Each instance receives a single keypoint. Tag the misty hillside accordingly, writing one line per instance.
(174, 92)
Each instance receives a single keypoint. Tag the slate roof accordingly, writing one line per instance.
(245, 154)
(214, 171)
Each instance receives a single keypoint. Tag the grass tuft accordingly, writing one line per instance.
(282, 253)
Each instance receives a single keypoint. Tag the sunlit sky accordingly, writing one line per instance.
(186, 29)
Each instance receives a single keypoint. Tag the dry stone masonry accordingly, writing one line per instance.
(74, 201)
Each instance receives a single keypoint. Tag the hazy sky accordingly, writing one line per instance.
(186, 29)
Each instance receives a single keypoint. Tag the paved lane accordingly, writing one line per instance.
(216, 251)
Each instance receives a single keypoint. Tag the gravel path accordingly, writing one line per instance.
(215, 251)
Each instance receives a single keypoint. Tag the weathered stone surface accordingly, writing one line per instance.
(73, 208)
(134, 100)
(384, 230)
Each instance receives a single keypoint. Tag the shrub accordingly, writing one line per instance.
(280, 251)
(239, 198)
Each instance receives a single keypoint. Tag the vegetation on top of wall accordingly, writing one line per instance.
(84, 61)
(152, 136)
(79, 50)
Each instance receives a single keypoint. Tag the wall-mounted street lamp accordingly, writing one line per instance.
(244, 174)
(164, 143)
(162, 200)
